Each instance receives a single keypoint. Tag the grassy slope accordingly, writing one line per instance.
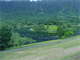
(46, 52)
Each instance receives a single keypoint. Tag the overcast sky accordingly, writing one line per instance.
(18, 0)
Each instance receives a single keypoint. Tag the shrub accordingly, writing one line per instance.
(63, 37)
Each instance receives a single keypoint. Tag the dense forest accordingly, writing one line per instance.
(24, 22)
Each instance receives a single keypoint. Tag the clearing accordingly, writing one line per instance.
(51, 28)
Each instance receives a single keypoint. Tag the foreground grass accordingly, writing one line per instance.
(69, 56)
(47, 52)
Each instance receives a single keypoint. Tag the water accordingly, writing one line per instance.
(36, 36)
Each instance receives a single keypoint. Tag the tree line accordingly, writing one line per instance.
(10, 39)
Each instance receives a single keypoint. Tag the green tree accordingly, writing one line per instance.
(69, 25)
(39, 28)
(14, 39)
(60, 32)
(5, 36)
(24, 40)
(68, 33)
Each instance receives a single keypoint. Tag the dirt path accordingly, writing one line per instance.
(38, 45)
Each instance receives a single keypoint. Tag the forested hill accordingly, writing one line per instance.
(41, 6)
(25, 10)
(23, 22)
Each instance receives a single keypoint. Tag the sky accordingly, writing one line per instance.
(34, 0)
(19, 0)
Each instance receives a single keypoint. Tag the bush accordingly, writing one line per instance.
(2, 47)
(68, 33)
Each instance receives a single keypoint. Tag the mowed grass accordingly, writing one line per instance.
(31, 29)
(51, 28)
(55, 51)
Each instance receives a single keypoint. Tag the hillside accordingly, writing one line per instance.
(35, 11)
(26, 22)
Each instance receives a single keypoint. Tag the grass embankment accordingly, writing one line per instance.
(39, 43)
(47, 52)
(33, 44)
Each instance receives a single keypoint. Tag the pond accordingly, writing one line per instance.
(40, 36)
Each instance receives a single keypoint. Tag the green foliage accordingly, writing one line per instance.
(16, 40)
(44, 28)
(5, 36)
(68, 33)
(22, 40)
(39, 11)
(60, 31)
(51, 28)
(40, 14)
(69, 25)
(29, 23)
(3, 46)
(39, 28)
